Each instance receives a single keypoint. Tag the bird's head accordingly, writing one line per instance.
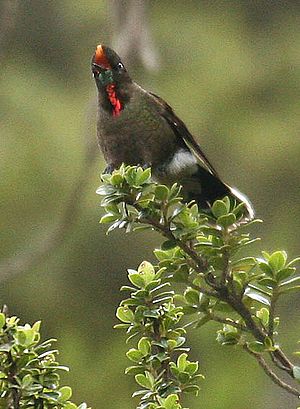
(107, 68)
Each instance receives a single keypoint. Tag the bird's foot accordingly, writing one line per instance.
(145, 165)
(109, 169)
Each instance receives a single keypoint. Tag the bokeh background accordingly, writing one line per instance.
(231, 70)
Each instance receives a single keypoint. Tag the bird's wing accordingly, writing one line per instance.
(181, 131)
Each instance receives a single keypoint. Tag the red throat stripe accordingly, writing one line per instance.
(100, 57)
(114, 100)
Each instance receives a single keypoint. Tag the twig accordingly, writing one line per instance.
(14, 399)
(236, 303)
(228, 321)
(272, 311)
(272, 374)
(200, 264)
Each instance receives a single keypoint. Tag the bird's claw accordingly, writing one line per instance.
(145, 165)
(109, 169)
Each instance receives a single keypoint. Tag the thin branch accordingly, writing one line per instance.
(228, 321)
(237, 304)
(272, 374)
(201, 264)
(15, 396)
(278, 364)
(203, 290)
(272, 311)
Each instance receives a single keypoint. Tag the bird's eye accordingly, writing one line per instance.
(120, 66)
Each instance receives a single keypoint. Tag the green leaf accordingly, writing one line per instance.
(105, 190)
(25, 336)
(285, 273)
(134, 370)
(66, 393)
(257, 297)
(183, 377)
(244, 264)
(266, 255)
(192, 296)
(182, 362)
(285, 290)
(202, 321)
(291, 281)
(171, 402)
(116, 179)
(189, 309)
(219, 209)
(168, 244)
(265, 268)
(277, 260)
(108, 218)
(144, 345)
(227, 202)
(267, 283)
(137, 279)
(256, 346)
(134, 355)
(192, 368)
(2, 320)
(161, 254)
(295, 260)
(269, 345)
(144, 177)
(146, 271)
(171, 344)
(143, 381)
(263, 315)
(239, 210)
(26, 381)
(161, 192)
(296, 373)
(36, 326)
(192, 389)
(226, 220)
(124, 314)
(228, 335)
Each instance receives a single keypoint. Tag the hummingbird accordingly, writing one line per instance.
(137, 127)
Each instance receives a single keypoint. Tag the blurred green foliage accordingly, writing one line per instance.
(231, 70)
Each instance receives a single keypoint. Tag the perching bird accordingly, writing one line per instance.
(136, 127)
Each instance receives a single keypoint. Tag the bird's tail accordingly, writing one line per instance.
(204, 187)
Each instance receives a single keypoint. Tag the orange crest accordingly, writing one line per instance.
(100, 57)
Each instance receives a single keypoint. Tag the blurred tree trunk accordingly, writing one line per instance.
(132, 36)
(8, 15)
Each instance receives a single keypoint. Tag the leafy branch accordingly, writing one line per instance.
(201, 252)
(29, 371)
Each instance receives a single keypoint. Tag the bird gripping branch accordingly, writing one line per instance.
(136, 127)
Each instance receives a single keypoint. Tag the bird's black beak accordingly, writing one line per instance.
(97, 69)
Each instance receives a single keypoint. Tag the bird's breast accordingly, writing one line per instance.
(139, 135)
